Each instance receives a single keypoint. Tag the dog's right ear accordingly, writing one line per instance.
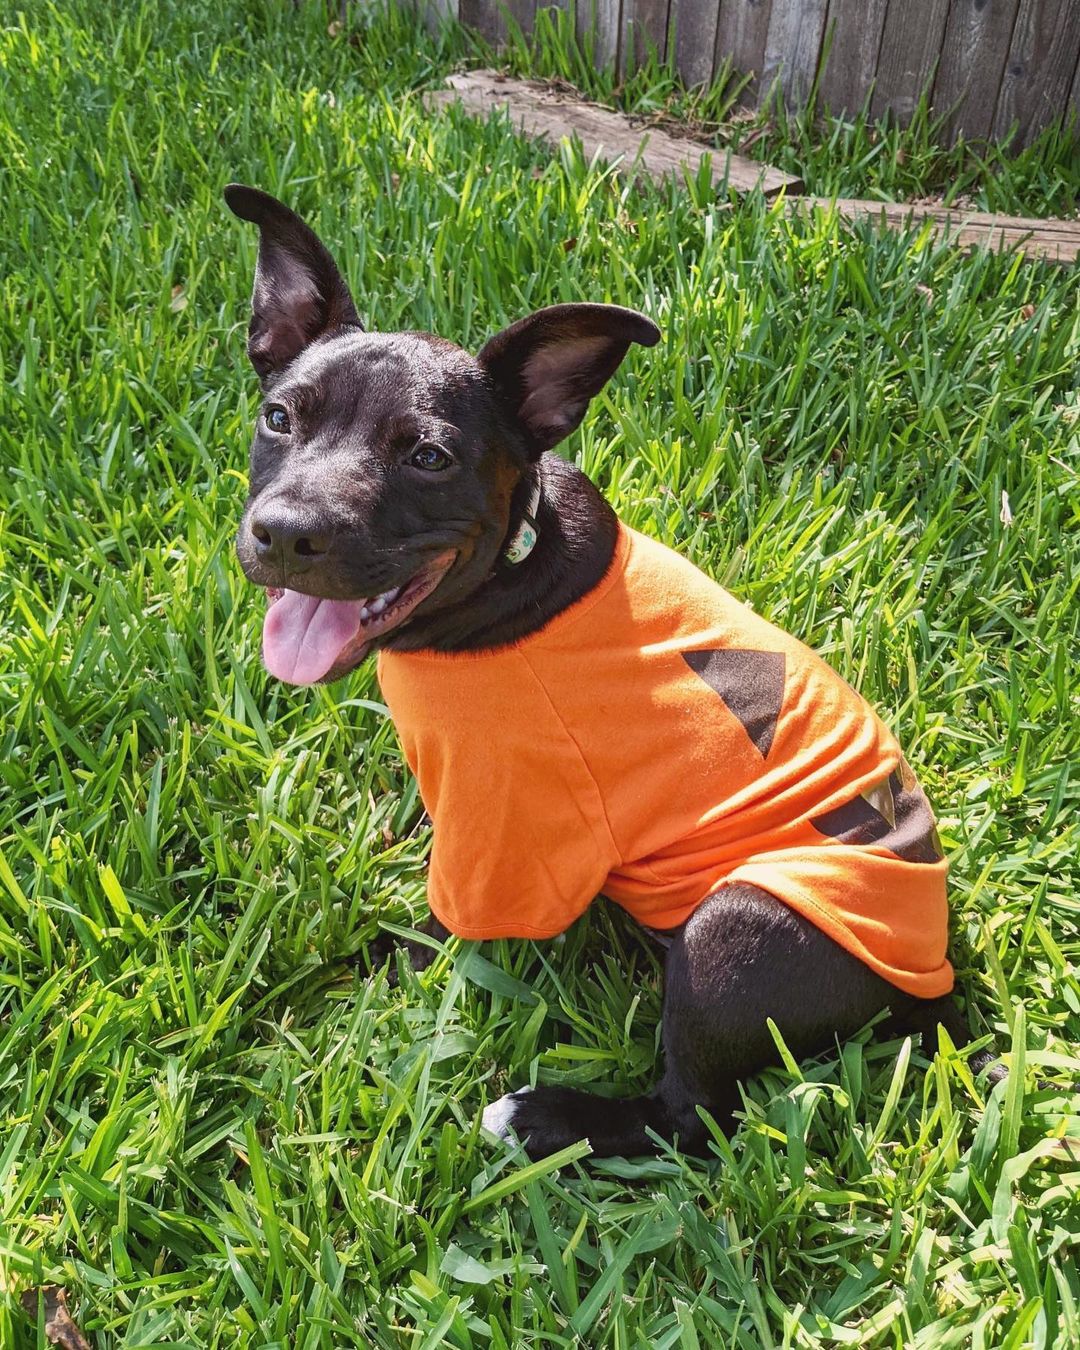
(299, 294)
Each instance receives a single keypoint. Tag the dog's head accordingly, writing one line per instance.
(384, 464)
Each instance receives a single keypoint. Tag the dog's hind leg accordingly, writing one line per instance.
(742, 957)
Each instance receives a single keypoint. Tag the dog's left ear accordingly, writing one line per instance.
(299, 293)
(549, 365)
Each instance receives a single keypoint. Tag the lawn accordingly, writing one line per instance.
(217, 1127)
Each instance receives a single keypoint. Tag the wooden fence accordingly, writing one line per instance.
(989, 65)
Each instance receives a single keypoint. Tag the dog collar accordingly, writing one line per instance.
(524, 538)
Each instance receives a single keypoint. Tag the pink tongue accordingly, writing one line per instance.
(303, 635)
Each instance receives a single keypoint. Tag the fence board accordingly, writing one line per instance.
(990, 64)
(694, 24)
(741, 31)
(645, 25)
(584, 21)
(435, 12)
(1039, 69)
(603, 20)
(484, 17)
(856, 28)
(792, 48)
(973, 53)
(910, 46)
(523, 13)
(1074, 97)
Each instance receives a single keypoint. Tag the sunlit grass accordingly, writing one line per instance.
(216, 1129)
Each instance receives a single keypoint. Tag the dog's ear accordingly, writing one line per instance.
(299, 293)
(549, 365)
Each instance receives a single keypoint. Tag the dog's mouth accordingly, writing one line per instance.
(306, 638)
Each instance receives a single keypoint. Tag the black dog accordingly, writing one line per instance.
(402, 499)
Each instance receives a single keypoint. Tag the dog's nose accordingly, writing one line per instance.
(288, 540)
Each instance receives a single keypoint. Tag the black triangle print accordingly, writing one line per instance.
(911, 833)
(751, 685)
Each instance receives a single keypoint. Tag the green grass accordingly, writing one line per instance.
(216, 1129)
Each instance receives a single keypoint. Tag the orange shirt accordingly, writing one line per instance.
(653, 742)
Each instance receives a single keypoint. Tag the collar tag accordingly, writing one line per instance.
(525, 536)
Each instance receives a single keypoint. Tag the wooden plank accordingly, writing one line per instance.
(973, 52)
(741, 31)
(645, 24)
(694, 36)
(792, 48)
(910, 46)
(1056, 240)
(1039, 69)
(854, 43)
(545, 112)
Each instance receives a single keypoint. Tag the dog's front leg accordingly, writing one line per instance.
(420, 954)
(742, 958)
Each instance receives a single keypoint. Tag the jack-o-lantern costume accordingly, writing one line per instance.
(656, 742)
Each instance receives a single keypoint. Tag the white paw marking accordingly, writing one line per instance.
(498, 1118)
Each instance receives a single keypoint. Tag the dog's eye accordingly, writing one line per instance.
(277, 419)
(431, 458)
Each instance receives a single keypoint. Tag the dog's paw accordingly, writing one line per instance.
(498, 1118)
(384, 948)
